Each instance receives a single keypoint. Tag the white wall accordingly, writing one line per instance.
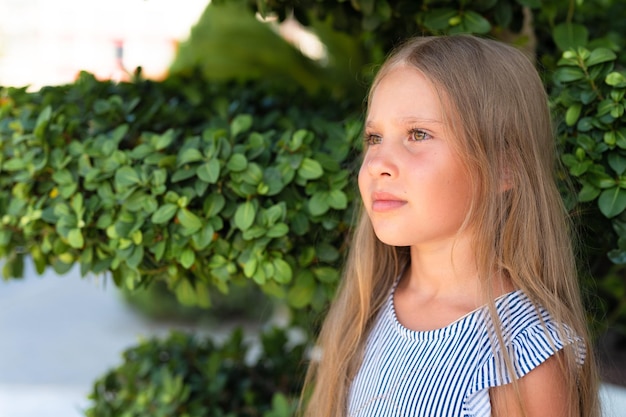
(47, 42)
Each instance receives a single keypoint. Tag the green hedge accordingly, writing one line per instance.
(196, 184)
(588, 99)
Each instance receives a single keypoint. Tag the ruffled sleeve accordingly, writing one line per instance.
(531, 337)
(530, 348)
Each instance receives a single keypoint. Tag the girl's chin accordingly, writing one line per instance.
(392, 239)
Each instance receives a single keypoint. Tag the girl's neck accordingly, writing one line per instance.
(449, 270)
(444, 267)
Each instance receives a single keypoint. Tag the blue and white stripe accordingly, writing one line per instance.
(448, 372)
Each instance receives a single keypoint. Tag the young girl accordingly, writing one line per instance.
(460, 295)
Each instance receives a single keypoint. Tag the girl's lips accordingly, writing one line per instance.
(382, 201)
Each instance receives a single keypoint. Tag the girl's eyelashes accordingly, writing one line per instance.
(419, 135)
(414, 135)
(372, 139)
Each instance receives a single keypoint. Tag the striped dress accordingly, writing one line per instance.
(448, 372)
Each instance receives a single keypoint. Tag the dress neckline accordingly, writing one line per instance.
(450, 329)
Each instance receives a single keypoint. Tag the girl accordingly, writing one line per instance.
(460, 295)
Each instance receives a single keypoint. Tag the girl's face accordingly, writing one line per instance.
(415, 189)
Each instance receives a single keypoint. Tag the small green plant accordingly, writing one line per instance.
(185, 376)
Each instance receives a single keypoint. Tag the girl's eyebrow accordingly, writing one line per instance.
(411, 119)
(408, 120)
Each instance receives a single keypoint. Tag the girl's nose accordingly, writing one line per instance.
(380, 162)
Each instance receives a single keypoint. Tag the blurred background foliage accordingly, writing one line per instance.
(236, 172)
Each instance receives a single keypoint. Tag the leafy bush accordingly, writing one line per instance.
(184, 376)
(589, 96)
(196, 184)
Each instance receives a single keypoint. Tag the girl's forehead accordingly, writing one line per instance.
(405, 93)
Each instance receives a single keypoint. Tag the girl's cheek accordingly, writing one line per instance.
(362, 179)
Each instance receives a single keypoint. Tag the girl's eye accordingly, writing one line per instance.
(419, 135)
(373, 139)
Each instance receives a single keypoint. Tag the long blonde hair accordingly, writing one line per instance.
(498, 110)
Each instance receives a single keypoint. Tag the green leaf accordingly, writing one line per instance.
(158, 249)
(475, 23)
(272, 214)
(599, 56)
(325, 252)
(164, 213)
(620, 137)
(318, 204)
(326, 274)
(250, 267)
(160, 142)
(244, 215)
(605, 107)
(617, 256)
(183, 174)
(617, 162)
(612, 201)
(189, 221)
(14, 164)
(63, 177)
(136, 257)
(278, 230)
(253, 175)
(585, 124)
(280, 406)
(188, 155)
(118, 134)
(282, 271)
(570, 36)
(438, 19)
(209, 171)
(580, 168)
(213, 205)
(503, 14)
(616, 79)
(75, 238)
(42, 121)
(310, 169)
(572, 114)
(187, 258)
(297, 139)
(588, 193)
(301, 294)
(126, 177)
(337, 199)
(204, 238)
(241, 123)
(568, 74)
(237, 162)
(185, 293)
(617, 111)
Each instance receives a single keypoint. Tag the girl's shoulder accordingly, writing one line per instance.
(529, 334)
